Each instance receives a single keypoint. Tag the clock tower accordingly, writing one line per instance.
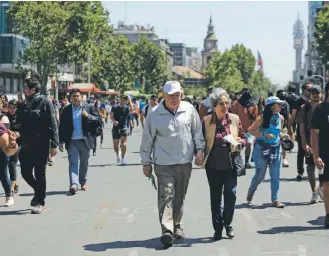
(209, 46)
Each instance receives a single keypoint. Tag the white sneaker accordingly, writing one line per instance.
(9, 201)
(101, 145)
(285, 163)
(118, 159)
(319, 192)
(123, 162)
(314, 198)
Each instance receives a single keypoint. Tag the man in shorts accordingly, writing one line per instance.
(120, 118)
(320, 147)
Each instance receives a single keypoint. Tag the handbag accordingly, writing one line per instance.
(237, 163)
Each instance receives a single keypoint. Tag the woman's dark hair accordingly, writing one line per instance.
(267, 114)
(13, 102)
(261, 102)
(74, 90)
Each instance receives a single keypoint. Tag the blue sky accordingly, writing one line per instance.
(265, 26)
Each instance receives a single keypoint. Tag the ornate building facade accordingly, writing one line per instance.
(210, 46)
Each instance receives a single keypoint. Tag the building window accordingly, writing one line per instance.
(15, 86)
(6, 50)
(6, 21)
(8, 85)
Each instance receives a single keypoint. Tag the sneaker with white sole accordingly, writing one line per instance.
(123, 162)
(118, 159)
(314, 198)
(320, 192)
(9, 202)
(285, 163)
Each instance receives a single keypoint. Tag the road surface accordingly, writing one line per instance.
(118, 215)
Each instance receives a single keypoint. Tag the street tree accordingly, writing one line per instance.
(59, 32)
(222, 72)
(321, 33)
(245, 61)
(260, 85)
(114, 64)
(149, 65)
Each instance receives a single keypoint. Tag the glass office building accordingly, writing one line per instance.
(11, 50)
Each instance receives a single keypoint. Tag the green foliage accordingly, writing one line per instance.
(59, 32)
(113, 64)
(198, 91)
(149, 65)
(322, 33)
(234, 69)
(260, 85)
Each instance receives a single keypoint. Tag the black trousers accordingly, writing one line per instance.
(32, 158)
(300, 154)
(222, 183)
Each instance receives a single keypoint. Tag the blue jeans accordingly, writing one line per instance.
(78, 150)
(261, 165)
(4, 177)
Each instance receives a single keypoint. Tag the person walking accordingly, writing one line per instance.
(222, 177)
(38, 130)
(75, 126)
(267, 149)
(172, 135)
(320, 147)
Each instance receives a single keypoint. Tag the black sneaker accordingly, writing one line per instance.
(218, 235)
(34, 201)
(248, 166)
(299, 177)
(167, 239)
(326, 221)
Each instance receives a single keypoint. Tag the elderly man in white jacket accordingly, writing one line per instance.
(172, 136)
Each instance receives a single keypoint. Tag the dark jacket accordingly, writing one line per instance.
(38, 125)
(66, 125)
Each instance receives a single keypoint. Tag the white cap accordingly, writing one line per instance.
(172, 87)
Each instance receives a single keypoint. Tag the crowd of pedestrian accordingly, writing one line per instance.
(176, 130)
(214, 132)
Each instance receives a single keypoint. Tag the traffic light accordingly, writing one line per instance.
(309, 72)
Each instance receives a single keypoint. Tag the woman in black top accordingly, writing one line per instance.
(14, 126)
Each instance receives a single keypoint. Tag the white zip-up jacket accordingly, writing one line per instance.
(171, 139)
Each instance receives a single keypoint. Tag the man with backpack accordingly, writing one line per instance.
(148, 107)
(304, 120)
(78, 126)
(38, 136)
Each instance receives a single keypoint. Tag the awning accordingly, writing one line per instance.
(84, 87)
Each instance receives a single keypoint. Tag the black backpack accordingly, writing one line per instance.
(146, 109)
(96, 129)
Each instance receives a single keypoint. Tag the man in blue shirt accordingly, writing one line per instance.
(76, 123)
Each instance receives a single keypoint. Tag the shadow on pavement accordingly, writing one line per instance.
(50, 193)
(287, 180)
(16, 212)
(153, 243)
(105, 165)
(318, 224)
(268, 205)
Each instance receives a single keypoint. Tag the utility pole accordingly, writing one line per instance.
(89, 66)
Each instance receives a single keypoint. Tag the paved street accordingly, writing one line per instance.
(118, 215)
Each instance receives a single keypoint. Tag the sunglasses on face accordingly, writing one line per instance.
(309, 90)
(315, 93)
